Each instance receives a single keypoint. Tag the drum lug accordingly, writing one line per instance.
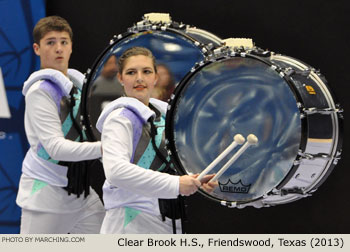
(256, 204)
(288, 191)
(274, 67)
(180, 26)
(221, 51)
(113, 39)
(306, 72)
(301, 110)
(218, 51)
(337, 157)
(278, 70)
(260, 52)
(299, 105)
(340, 112)
(309, 156)
(289, 71)
(325, 111)
(201, 63)
(210, 46)
(229, 204)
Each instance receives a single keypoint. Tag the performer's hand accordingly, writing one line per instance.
(209, 186)
(189, 184)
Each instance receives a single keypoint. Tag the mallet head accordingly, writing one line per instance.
(239, 139)
(252, 139)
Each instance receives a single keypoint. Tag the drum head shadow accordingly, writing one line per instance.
(174, 50)
(237, 96)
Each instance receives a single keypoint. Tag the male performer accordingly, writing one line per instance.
(54, 191)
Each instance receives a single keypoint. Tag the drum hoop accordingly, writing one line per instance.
(229, 203)
(115, 40)
(84, 94)
(213, 37)
(169, 125)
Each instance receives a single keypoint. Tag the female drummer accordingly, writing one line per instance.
(134, 157)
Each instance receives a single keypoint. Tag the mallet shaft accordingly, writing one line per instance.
(238, 139)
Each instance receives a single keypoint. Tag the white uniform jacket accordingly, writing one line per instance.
(43, 92)
(127, 184)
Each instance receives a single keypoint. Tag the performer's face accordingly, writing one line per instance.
(138, 77)
(54, 50)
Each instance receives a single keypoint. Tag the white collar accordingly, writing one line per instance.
(56, 77)
(142, 111)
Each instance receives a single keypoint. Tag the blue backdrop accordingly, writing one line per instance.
(17, 62)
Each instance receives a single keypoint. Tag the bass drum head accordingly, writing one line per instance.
(178, 52)
(175, 49)
(235, 95)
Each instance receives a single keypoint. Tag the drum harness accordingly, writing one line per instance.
(78, 172)
(171, 208)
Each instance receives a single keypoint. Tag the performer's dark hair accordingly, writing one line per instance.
(48, 24)
(135, 51)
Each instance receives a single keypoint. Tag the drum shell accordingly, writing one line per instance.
(323, 134)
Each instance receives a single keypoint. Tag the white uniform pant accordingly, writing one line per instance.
(143, 223)
(86, 221)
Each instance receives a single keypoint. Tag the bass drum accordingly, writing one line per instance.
(176, 47)
(281, 100)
